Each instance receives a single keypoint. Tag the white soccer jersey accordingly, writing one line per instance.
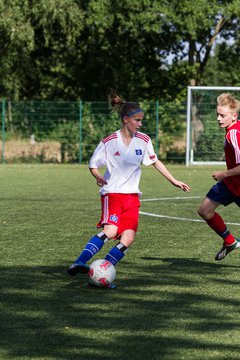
(123, 162)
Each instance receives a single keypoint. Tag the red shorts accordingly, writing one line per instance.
(121, 210)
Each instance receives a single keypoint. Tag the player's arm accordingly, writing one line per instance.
(159, 166)
(98, 176)
(220, 175)
(233, 137)
(97, 161)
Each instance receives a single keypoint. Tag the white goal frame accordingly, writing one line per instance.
(189, 151)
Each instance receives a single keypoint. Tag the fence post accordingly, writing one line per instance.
(80, 131)
(3, 130)
(157, 127)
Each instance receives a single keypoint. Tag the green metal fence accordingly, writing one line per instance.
(58, 132)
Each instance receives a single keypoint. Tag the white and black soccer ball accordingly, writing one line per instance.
(101, 273)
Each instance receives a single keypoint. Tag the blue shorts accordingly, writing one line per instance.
(221, 195)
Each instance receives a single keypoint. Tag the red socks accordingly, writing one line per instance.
(218, 225)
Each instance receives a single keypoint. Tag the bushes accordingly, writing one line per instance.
(79, 126)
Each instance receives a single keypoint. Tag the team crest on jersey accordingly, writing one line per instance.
(138, 151)
(117, 153)
(114, 218)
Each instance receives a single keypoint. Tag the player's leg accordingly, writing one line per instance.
(109, 219)
(118, 251)
(214, 220)
(127, 228)
(92, 247)
(218, 195)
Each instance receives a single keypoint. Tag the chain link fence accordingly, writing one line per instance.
(68, 132)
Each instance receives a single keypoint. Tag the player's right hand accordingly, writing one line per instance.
(101, 181)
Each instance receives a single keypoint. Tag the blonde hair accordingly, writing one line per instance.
(228, 100)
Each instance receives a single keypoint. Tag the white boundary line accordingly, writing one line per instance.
(176, 217)
(172, 198)
(170, 217)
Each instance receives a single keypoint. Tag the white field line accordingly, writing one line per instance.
(173, 198)
(176, 217)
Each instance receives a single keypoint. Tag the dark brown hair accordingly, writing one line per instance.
(123, 107)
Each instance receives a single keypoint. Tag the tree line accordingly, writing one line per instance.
(146, 49)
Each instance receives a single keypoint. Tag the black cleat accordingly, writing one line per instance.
(78, 268)
(225, 250)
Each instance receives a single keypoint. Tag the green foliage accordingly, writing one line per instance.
(72, 50)
(172, 126)
(80, 132)
(195, 25)
(68, 136)
(209, 146)
(16, 43)
(223, 66)
(210, 141)
(98, 122)
(68, 49)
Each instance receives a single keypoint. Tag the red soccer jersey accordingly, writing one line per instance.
(232, 155)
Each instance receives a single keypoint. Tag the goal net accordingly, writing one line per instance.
(205, 140)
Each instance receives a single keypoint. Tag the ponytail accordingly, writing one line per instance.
(123, 107)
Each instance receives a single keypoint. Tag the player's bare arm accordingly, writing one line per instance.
(159, 166)
(98, 176)
(220, 175)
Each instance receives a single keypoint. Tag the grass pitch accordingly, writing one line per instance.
(173, 300)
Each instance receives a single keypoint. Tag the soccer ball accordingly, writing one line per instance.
(101, 273)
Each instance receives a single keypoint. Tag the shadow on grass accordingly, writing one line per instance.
(193, 263)
(47, 315)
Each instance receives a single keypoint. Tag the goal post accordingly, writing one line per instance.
(204, 139)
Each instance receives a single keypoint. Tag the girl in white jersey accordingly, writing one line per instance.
(122, 153)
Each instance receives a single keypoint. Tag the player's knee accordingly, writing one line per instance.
(204, 213)
(129, 241)
(110, 231)
(201, 212)
(127, 238)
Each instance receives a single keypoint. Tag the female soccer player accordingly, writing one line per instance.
(122, 153)
(227, 190)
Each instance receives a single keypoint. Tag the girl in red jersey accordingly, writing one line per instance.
(227, 190)
(122, 153)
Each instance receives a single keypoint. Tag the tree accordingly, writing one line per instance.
(224, 65)
(121, 49)
(71, 49)
(57, 26)
(37, 39)
(127, 45)
(197, 25)
(16, 43)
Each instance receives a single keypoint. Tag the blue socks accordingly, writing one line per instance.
(92, 248)
(116, 253)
